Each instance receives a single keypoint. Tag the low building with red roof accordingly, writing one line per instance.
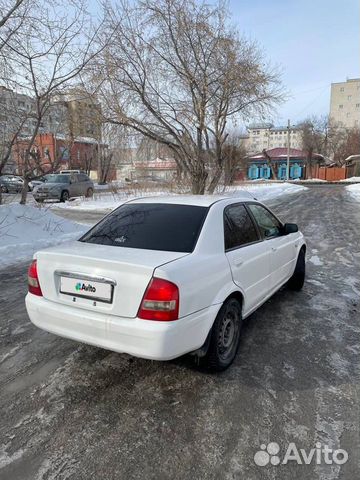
(272, 164)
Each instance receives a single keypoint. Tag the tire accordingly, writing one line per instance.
(64, 196)
(224, 337)
(90, 192)
(297, 280)
(4, 189)
(39, 200)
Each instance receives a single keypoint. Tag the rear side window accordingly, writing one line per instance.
(82, 177)
(239, 228)
(150, 226)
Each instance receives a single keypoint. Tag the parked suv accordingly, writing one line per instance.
(11, 184)
(62, 186)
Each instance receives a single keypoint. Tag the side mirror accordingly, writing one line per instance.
(290, 228)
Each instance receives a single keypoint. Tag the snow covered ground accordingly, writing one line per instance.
(105, 202)
(354, 190)
(351, 179)
(24, 229)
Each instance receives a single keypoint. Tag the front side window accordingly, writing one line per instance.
(55, 178)
(239, 228)
(150, 226)
(269, 225)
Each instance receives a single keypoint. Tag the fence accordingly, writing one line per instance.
(333, 174)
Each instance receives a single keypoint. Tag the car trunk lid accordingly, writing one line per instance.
(127, 271)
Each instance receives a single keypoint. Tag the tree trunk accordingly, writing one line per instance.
(24, 191)
(215, 180)
(198, 182)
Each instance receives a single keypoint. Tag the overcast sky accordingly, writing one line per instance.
(315, 42)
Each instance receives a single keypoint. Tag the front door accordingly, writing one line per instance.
(248, 256)
(282, 249)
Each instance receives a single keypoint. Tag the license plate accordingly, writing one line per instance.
(41, 194)
(91, 289)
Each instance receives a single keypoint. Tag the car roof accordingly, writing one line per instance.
(198, 200)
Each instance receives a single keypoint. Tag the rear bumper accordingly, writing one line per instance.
(141, 338)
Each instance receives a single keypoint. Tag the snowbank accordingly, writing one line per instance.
(351, 179)
(316, 180)
(354, 190)
(106, 202)
(24, 229)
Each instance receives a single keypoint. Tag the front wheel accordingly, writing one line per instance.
(224, 337)
(297, 280)
(64, 196)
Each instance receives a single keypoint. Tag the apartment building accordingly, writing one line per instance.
(266, 136)
(83, 112)
(72, 115)
(345, 103)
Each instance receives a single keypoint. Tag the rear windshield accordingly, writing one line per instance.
(150, 226)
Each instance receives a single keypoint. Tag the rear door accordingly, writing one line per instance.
(248, 255)
(75, 186)
(282, 247)
(85, 183)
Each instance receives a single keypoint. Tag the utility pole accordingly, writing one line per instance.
(288, 152)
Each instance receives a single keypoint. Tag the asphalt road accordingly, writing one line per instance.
(71, 411)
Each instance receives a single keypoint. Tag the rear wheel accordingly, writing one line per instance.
(296, 282)
(224, 337)
(64, 196)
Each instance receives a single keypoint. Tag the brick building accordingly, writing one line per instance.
(78, 153)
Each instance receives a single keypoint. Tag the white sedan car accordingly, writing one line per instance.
(161, 277)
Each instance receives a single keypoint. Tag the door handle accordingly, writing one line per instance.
(274, 249)
(238, 262)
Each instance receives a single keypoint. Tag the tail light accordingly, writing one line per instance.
(33, 280)
(160, 301)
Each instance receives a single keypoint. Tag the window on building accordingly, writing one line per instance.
(341, 106)
(341, 89)
(349, 97)
(358, 105)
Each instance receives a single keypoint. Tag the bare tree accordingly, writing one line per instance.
(177, 73)
(13, 14)
(314, 133)
(234, 157)
(344, 142)
(49, 55)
